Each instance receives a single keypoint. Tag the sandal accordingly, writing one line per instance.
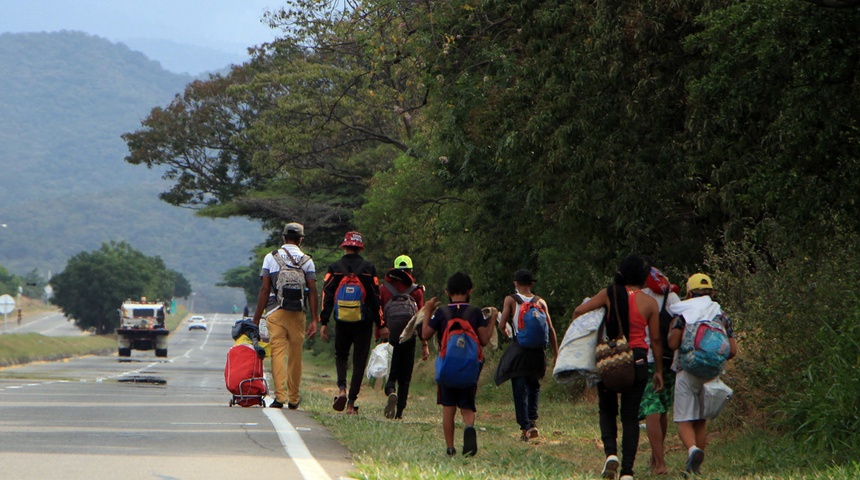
(339, 403)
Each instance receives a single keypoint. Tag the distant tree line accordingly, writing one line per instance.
(93, 285)
(561, 136)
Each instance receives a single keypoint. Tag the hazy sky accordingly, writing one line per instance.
(230, 26)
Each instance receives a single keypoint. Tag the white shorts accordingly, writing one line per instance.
(689, 398)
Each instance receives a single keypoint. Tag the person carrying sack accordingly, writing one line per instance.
(400, 288)
(351, 294)
(629, 314)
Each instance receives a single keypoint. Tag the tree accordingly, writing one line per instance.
(94, 284)
(8, 282)
(181, 285)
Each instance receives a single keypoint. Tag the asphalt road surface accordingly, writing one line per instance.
(97, 417)
(51, 324)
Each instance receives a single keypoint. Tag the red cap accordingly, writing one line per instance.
(352, 239)
(657, 282)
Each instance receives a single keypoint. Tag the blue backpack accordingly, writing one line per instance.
(532, 328)
(460, 356)
(349, 297)
(704, 348)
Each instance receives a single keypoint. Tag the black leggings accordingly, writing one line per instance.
(355, 335)
(402, 364)
(630, 399)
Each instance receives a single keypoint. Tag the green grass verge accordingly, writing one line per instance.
(20, 348)
(17, 348)
(569, 446)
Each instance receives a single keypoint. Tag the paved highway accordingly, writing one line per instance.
(97, 417)
(51, 324)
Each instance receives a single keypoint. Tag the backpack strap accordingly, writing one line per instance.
(517, 298)
(280, 260)
(391, 288)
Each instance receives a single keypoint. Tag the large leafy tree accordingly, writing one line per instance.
(297, 132)
(94, 284)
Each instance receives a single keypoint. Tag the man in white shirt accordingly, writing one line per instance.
(286, 326)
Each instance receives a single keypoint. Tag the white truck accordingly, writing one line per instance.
(142, 328)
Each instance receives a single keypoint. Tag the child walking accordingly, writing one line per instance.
(458, 290)
(525, 366)
(689, 407)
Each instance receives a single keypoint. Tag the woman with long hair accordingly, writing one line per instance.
(637, 312)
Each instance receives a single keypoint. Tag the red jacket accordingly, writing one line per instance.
(396, 278)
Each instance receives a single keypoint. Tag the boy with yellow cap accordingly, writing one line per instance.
(689, 415)
(398, 283)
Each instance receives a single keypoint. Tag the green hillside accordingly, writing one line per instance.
(65, 99)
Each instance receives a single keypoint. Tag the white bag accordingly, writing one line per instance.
(380, 361)
(716, 395)
(576, 352)
(264, 330)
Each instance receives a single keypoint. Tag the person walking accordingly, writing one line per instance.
(399, 282)
(351, 293)
(285, 317)
(524, 366)
(654, 408)
(697, 306)
(459, 289)
(638, 312)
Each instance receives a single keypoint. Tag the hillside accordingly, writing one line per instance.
(65, 99)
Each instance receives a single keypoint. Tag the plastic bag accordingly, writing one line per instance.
(716, 395)
(380, 361)
(264, 330)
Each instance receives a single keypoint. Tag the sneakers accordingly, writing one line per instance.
(610, 467)
(294, 406)
(276, 404)
(391, 406)
(694, 460)
(470, 441)
(451, 451)
(626, 477)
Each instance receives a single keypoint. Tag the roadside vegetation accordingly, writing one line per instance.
(569, 446)
(488, 136)
(20, 348)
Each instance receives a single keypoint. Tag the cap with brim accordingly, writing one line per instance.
(403, 261)
(294, 229)
(524, 277)
(352, 239)
(699, 281)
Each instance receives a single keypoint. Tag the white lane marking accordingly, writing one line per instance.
(216, 423)
(295, 447)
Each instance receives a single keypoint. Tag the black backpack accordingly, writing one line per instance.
(398, 311)
(665, 324)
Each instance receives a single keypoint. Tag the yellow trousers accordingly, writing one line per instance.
(286, 335)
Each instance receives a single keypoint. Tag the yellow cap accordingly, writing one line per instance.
(403, 261)
(699, 281)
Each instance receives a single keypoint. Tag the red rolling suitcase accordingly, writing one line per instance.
(244, 376)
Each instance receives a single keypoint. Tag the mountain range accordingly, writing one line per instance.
(65, 100)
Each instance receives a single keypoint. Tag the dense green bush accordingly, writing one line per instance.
(798, 324)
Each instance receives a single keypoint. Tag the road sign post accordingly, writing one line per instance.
(7, 304)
